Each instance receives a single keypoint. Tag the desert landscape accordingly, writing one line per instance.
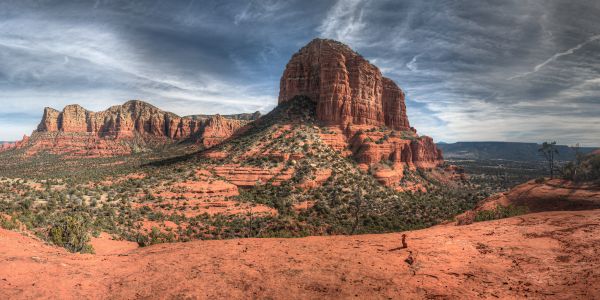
(329, 191)
(541, 255)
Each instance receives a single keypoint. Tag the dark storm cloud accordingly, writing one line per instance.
(524, 70)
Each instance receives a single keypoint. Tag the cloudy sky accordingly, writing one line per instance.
(512, 70)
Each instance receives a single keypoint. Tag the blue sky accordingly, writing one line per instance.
(513, 70)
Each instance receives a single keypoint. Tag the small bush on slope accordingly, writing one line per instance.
(500, 212)
(8, 224)
(72, 233)
(584, 169)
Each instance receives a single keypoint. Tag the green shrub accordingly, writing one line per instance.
(72, 233)
(586, 168)
(500, 212)
(8, 224)
(156, 236)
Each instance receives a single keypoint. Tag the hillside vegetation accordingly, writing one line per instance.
(177, 199)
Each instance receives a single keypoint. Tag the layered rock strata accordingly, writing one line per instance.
(366, 112)
(80, 132)
(135, 117)
(346, 87)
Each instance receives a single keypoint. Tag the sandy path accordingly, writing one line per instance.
(543, 255)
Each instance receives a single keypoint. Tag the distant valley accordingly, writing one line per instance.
(505, 151)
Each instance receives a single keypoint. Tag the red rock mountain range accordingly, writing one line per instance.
(352, 97)
(138, 118)
(123, 129)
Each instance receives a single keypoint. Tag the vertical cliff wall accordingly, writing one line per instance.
(352, 94)
(115, 131)
(346, 87)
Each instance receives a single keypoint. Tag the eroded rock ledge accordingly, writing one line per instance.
(81, 132)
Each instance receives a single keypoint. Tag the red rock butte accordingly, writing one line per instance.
(346, 87)
(81, 132)
(133, 117)
(366, 111)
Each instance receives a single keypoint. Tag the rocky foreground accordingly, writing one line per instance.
(544, 255)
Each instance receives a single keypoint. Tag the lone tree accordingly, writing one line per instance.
(358, 207)
(549, 150)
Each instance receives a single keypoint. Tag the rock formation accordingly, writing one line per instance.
(373, 147)
(535, 196)
(133, 117)
(6, 146)
(352, 95)
(346, 87)
(218, 128)
(81, 132)
(13, 145)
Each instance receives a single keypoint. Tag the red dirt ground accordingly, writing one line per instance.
(106, 245)
(551, 195)
(544, 255)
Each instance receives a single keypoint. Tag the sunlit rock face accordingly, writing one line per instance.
(80, 132)
(347, 88)
(351, 94)
(119, 121)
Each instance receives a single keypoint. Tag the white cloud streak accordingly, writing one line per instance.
(412, 64)
(556, 56)
(344, 22)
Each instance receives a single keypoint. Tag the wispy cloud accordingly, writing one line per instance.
(452, 58)
(556, 56)
(472, 48)
(344, 21)
(412, 64)
(259, 11)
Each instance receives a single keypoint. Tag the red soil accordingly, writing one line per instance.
(543, 255)
(551, 195)
(106, 245)
(555, 194)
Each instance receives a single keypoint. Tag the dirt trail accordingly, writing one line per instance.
(545, 255)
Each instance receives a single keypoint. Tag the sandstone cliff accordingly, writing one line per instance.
(134, 117)
(352, 95)
(216, 129)
(346, 87)
(78, 131)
